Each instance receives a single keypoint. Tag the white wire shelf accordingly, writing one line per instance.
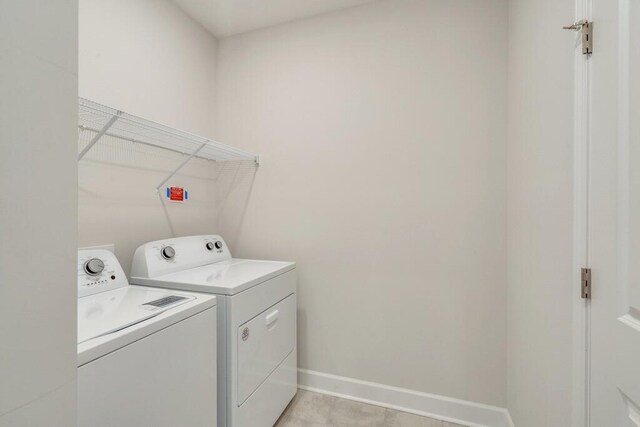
(103, 120)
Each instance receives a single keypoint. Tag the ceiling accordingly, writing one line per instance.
(225, 18)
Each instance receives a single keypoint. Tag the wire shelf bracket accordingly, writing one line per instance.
(180, 166)
(107, 121)
(99, 135)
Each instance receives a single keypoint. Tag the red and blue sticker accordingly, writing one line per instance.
(177, 194)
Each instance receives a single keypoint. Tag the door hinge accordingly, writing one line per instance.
(586, 31)
(585, 291)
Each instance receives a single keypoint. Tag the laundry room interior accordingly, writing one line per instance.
(318, 213)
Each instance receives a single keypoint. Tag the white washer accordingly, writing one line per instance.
(257, 354)
(146, 357)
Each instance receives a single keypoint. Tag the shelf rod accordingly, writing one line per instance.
(181, 165)
(138, 141)
(99, 135)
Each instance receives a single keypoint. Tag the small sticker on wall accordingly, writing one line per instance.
(177, 194)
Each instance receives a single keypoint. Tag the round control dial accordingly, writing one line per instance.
(94, 266)
(168, 252)
(218, 244)
(210, 246)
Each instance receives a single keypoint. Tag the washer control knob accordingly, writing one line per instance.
(210, 246)
(218, 244)
(168, 252)
(94, 266)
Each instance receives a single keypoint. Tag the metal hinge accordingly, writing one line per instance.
(586, 30)
(585, 291)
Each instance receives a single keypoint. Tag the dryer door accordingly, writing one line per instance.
(263, 343)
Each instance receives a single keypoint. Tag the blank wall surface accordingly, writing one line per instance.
(382, 132)
(540, 213)
(38, 212)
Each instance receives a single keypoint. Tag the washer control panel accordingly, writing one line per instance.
(98, 271)
(168, 256)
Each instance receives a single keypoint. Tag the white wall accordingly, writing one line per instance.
(382, 130)
(147, 58)
(540, 194)
(38, 113)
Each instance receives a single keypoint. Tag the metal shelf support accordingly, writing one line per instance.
(99, 135)
(181, 165)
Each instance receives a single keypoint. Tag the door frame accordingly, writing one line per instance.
(581, 248)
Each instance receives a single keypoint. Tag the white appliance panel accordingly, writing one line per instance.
(152, 260)
(263, 343)
(266, 404)
(166, 379)
(107, 312)
(224, 278)
(271, 397)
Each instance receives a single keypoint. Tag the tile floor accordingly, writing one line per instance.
(309, 409)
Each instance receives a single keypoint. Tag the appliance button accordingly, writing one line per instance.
(210, 246)
(218, 244)
(168, 252)
(94, 266)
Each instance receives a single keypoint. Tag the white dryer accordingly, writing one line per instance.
(146, 357)
(256, 301)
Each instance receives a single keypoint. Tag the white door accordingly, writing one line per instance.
(614, 214)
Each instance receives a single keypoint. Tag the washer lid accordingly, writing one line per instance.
(224, 277)
(107, 312)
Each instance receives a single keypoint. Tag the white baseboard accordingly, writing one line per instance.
(457, 411)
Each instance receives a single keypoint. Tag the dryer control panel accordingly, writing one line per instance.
(171, 255)
(98, 271)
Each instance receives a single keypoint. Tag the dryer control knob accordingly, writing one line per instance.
(168, 252)
(218, 244)
(94, 266)
(210, 246)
